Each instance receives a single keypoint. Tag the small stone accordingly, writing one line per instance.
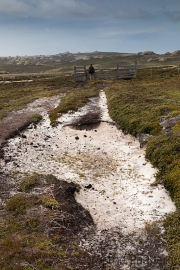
(88, 186)
(77, 138)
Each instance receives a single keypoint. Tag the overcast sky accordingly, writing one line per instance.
(33, 27)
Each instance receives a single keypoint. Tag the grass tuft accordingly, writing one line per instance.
(49, 202)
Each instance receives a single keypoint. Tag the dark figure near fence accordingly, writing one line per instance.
(91, 71)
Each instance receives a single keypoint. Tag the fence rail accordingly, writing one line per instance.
(80, 73)
(121, 72)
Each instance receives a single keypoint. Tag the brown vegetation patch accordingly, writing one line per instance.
(43, 227)
(90, 120)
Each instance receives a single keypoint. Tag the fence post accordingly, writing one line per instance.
(85, 71)
(117, 71)
(75, 72)
(135, 69)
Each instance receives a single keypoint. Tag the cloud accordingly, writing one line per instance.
(173, 16)
(45, 8)
(14, 7)
(146, 35)
(135, 14)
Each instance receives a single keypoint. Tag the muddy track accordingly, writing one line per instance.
(114, 180)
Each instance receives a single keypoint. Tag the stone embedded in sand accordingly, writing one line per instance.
(77, 138)
(88, 186)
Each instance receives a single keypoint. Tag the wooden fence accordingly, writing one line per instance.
(121, 72)
(80, 73)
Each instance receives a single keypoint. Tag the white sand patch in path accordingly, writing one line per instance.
(109, 166)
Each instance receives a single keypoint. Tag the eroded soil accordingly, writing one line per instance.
(105, 227)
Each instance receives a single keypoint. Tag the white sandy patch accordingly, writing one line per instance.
(121, 194)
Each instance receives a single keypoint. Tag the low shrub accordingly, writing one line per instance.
(49, 202)
(28, 182)
(20, 202)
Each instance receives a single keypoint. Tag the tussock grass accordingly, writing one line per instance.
(138, 106)
(73, 100)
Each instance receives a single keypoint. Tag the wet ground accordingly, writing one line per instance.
(114, 179)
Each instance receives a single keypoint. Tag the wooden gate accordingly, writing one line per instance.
(80, 73)
(121, 72)
(126, 72)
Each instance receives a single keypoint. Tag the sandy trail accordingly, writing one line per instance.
(111, 169)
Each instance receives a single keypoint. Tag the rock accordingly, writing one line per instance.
(162, 59)
(77, 138)
(169, 123)
(88, 186)
(143, 139)
(146, 53)
(149, 60)
(176, 52)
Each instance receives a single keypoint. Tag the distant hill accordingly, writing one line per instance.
(64, 62)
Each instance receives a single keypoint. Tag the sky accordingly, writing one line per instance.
(48, 27)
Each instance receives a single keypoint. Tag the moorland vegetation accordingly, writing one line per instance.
(137, 106)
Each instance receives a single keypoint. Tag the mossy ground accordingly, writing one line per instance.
(15, 96)
(37, 233)
(138, 106)
(74, 100)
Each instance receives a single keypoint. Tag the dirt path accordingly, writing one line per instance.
(18, 120)
(114, 177)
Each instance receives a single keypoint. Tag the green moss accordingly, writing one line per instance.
(49, 202)
(172, 183)
(37, 118)
(176, 128)
(72, 101)
(164, 153)
(138, 105)
(172, 226)
(20, 202)
(28, 182)
(32, 223)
